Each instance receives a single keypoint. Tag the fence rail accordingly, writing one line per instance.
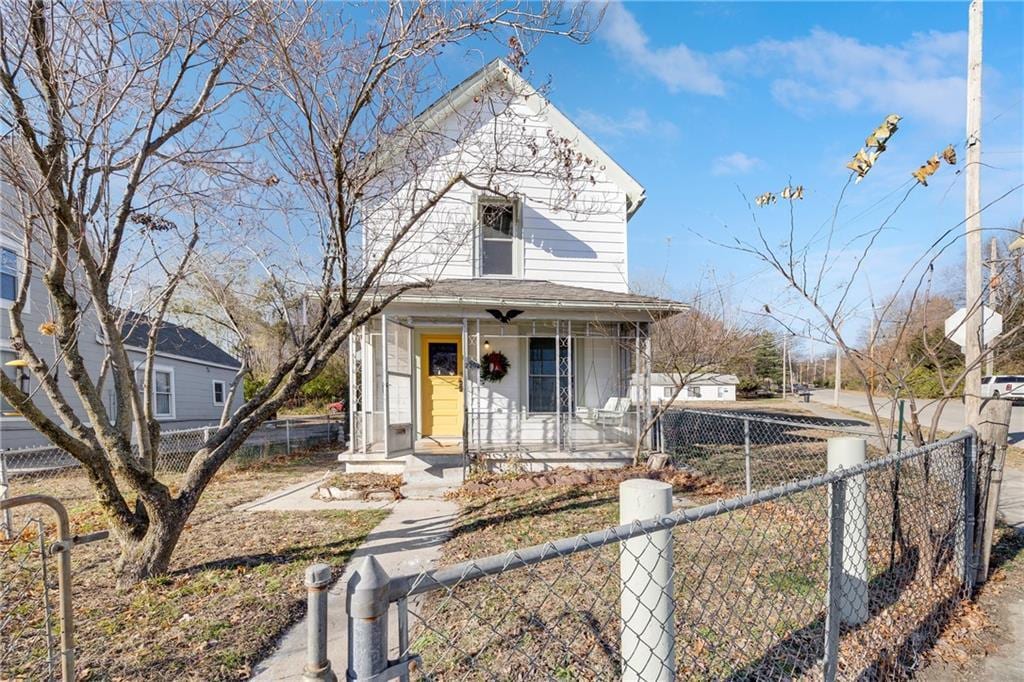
(748, 451)
(847, 573)
(177, 448)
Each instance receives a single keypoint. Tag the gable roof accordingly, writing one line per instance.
(498, 70)
(174, 339)
(535, 293)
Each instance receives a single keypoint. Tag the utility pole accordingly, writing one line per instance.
(972, 209)
(995, 292)
(784, 338)
(839, 375)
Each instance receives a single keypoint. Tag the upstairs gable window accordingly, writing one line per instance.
(500, 238)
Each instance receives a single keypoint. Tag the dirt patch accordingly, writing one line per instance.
(362, 486)
(488, 484)
(235, 582)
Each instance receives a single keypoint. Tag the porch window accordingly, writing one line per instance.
(544, 376)
(693, 391)
(500, 235)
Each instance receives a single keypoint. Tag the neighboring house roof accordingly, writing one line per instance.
(534, 293)
(499, 70)
(174, 339)
(706, 379)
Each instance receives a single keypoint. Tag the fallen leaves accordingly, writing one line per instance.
(929, 167)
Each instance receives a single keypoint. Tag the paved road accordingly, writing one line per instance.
(952, 418)
(1011, 498)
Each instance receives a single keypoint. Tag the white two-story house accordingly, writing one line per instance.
(524, 344)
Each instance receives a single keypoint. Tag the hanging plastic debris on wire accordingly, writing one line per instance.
(864, 160)
(929, 167)
(788, 192)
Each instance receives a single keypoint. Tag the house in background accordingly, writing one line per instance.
(523, 348)
(192, 377)
(699, 387)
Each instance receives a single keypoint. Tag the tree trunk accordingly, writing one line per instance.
(149, 556)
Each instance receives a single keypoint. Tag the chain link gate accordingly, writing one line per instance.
(36, 621)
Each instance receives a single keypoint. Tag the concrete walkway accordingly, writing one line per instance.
(302, 497)
(407, 541)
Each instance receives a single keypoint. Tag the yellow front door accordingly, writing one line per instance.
(441, 361)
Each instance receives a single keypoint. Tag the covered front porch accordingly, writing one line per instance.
(501, 383)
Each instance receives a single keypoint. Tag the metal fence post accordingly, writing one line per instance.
(968, 561)
(746, 451)
(647, 624)
(367, 608)
(288, 435)
(318, 666)
(4, 494)
(836, 523)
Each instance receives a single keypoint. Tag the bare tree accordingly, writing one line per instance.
(708, 337)
(814, 271)
(146, 136)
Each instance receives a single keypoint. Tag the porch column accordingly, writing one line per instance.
(385, 383)
(353, 391)
(569, 402)
(465, 385)
(559, 436)
(365, 402)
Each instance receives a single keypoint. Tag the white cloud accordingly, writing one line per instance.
(736, 163)
(920, 78)
(678, 67)
(633, 122)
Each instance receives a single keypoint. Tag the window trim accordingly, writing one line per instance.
(173, 413)
(517, 235)
(8, 244)
(223, 392)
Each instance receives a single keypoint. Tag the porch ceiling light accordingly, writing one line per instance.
(487, 346)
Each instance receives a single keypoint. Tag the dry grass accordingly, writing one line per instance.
(750, 588)
(364, 482)
(235, 582)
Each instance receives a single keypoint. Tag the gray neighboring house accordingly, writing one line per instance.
(192, 375)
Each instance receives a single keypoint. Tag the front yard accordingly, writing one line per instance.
(235, 583)
(750, 586)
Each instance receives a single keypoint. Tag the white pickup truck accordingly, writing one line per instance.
(1008, 386)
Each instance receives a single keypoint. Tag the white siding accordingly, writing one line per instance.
(579, 241)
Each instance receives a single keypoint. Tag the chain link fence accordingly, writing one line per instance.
(848, 574)
(36, 617)
(749, 451)
(272, 439)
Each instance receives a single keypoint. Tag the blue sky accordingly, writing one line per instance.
(702, 102)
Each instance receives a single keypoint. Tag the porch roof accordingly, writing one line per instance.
(536, 294)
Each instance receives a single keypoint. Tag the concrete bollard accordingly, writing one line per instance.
(318, 667)
(852, 587)
(647, 598)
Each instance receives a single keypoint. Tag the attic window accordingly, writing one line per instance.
(500, 237)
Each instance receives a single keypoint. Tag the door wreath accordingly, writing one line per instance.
(493, 366)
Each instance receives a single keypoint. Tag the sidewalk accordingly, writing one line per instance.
(407, 541)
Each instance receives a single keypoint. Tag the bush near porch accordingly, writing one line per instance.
(234, 587)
